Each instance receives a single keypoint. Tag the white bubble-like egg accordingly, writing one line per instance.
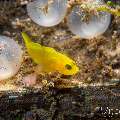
(10, 57)
(47, 13)
(95, 25)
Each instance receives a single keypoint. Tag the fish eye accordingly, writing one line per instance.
(67, 66)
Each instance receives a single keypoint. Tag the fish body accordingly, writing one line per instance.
(48, 59)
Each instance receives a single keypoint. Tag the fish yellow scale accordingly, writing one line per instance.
(49, 59)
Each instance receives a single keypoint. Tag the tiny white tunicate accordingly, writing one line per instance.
(47, 13)
(95, 25)
(10, 57)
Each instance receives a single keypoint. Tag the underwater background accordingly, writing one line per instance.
(93, 93)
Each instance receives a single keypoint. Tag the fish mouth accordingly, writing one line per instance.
(66, 76)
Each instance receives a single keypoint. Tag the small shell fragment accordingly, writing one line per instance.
(47, 12)
(94, 26)
(10, 57)
(30, 80)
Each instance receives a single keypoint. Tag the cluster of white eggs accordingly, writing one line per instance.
(48, 13)
(93, 27)
(10, 57)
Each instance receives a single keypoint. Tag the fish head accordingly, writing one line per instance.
(67, 66)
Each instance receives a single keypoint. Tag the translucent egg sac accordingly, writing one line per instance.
(95, 25)
(47, 13)
(10, 57)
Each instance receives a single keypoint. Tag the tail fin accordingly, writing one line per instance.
(26, 38)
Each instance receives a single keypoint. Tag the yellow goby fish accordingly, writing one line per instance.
(48, 59)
